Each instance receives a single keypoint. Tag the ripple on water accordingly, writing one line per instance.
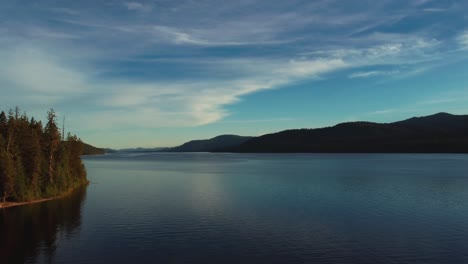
(216, 208)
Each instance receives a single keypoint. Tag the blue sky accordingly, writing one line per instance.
(161, 72)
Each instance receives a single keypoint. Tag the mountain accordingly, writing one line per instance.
(92, 150)
(439, 133)
(209, 145)
(109, 150)
(140, 150)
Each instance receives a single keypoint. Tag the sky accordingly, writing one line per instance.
(157, 73)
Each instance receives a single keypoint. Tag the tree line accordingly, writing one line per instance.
(35, 161)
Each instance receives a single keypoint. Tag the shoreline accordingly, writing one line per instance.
(14, 204)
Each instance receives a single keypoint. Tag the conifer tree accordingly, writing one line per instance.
(52, 136)
(2, 171)
(3, 125)
(37, 157)
(8, 173)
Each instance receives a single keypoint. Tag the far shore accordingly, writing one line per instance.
(13, 204)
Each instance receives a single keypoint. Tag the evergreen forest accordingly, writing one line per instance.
(37, 161)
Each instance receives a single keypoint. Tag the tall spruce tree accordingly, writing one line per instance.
(2, 171)
(3, 125)
(37, 158)
(52, 141)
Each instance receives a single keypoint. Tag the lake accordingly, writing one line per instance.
(250, 208)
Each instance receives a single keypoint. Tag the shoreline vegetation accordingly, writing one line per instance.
(37, 163)
(41, 200)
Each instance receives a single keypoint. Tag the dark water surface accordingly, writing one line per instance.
(251, 208)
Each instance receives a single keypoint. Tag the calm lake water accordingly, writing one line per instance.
(250, 208)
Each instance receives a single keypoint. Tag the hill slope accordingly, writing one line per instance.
(213, 144)
(92, 150)
(439, 133)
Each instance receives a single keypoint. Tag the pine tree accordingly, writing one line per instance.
(20, 185)
(37, 156)
(8, 173)
(7, 161)
(11, 129)
(52, 141)
(21, 152)
(2, 171)
(3, 124)
(76, 165)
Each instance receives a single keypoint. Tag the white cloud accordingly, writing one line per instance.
(203, 102)
(267, 120)
(63, 10)
(162, 33)
(368, 74)
(310, 68)
(198, 37)
(432, 10)
(384, 112)
(463, 40)
(39, 32)
(389, 49)
(136, 6)
(34, 72)
(420, 2)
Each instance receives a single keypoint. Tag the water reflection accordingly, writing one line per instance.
(214, 208)
(28, 232)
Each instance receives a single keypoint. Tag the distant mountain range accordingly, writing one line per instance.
(136, 150)
(218, 143)
(439, 133)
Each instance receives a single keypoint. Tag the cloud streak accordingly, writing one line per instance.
(136, 6)
(371, 74)
(32, 71)
(463, 40)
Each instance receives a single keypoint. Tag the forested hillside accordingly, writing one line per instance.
(208, 145)
(439, 133)
(35, 161)
(92, 150)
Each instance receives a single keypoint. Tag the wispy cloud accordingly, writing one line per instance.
(32, 71)
(384, 112)
(136, 6)
(448, 101)
(268, 120)
(432, 10)
(463, 40)
(203, 37)
(63, 10)
(420, 2)
(40, 32)
(202, 102)
(445, 98)
(386, 49)
(371, 74)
